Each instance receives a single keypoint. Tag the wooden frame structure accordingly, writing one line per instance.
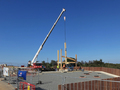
(66, 62)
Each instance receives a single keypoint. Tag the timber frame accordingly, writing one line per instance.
(66, 62)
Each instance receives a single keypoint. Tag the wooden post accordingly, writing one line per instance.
(61, 58)
(58, 57)
(76, 61)
(65, 52)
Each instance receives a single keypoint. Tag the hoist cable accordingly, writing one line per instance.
(65, 26)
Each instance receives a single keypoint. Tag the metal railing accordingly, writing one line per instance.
(11, 76)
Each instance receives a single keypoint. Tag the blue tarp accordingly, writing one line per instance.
(22, 74)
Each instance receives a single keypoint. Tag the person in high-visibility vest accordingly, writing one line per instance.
(28, 88)
(58, 67)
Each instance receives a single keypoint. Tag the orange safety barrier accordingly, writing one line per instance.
(26, 86)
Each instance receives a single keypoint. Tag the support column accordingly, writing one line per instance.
(58, 57)
(61, 58)
(76, 61)
(65, 53)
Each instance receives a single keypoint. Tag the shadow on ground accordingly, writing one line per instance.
(38, 88)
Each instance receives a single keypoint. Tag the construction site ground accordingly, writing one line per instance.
(5, 86)
(51, 79)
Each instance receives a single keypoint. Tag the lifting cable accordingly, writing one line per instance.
(65, 34)
(65, 26)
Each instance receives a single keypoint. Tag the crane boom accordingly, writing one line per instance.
(40, 48)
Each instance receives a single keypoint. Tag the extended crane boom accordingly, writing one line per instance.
(40, 48)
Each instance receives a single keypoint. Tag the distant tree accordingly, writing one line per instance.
(86, 64)
(79, 64)
(69, 60)
(90, 63)
(43, 63)
(53, 62)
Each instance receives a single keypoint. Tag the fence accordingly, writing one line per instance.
(1, 72)
(108, 70)
(26, 86)
(11, 77)
(32, 75)
(105, 84)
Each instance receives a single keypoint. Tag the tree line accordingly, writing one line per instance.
(91, 63)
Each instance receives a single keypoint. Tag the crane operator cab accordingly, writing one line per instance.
(29, 63)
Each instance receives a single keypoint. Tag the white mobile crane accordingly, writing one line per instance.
(34, 64)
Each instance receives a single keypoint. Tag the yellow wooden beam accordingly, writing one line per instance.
(76, 60)
(61, 58)
(68, 62)
(69, 58)
(65, 52)
(58, 56)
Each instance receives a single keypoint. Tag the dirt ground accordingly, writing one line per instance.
(5, 86)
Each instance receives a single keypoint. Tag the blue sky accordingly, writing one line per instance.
(92, 29)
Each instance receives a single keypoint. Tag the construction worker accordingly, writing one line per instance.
(29, 63)
(80, 68)
(64, 66)
(57, 67)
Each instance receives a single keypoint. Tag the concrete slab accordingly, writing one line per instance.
(108, 74)
(50, 80)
